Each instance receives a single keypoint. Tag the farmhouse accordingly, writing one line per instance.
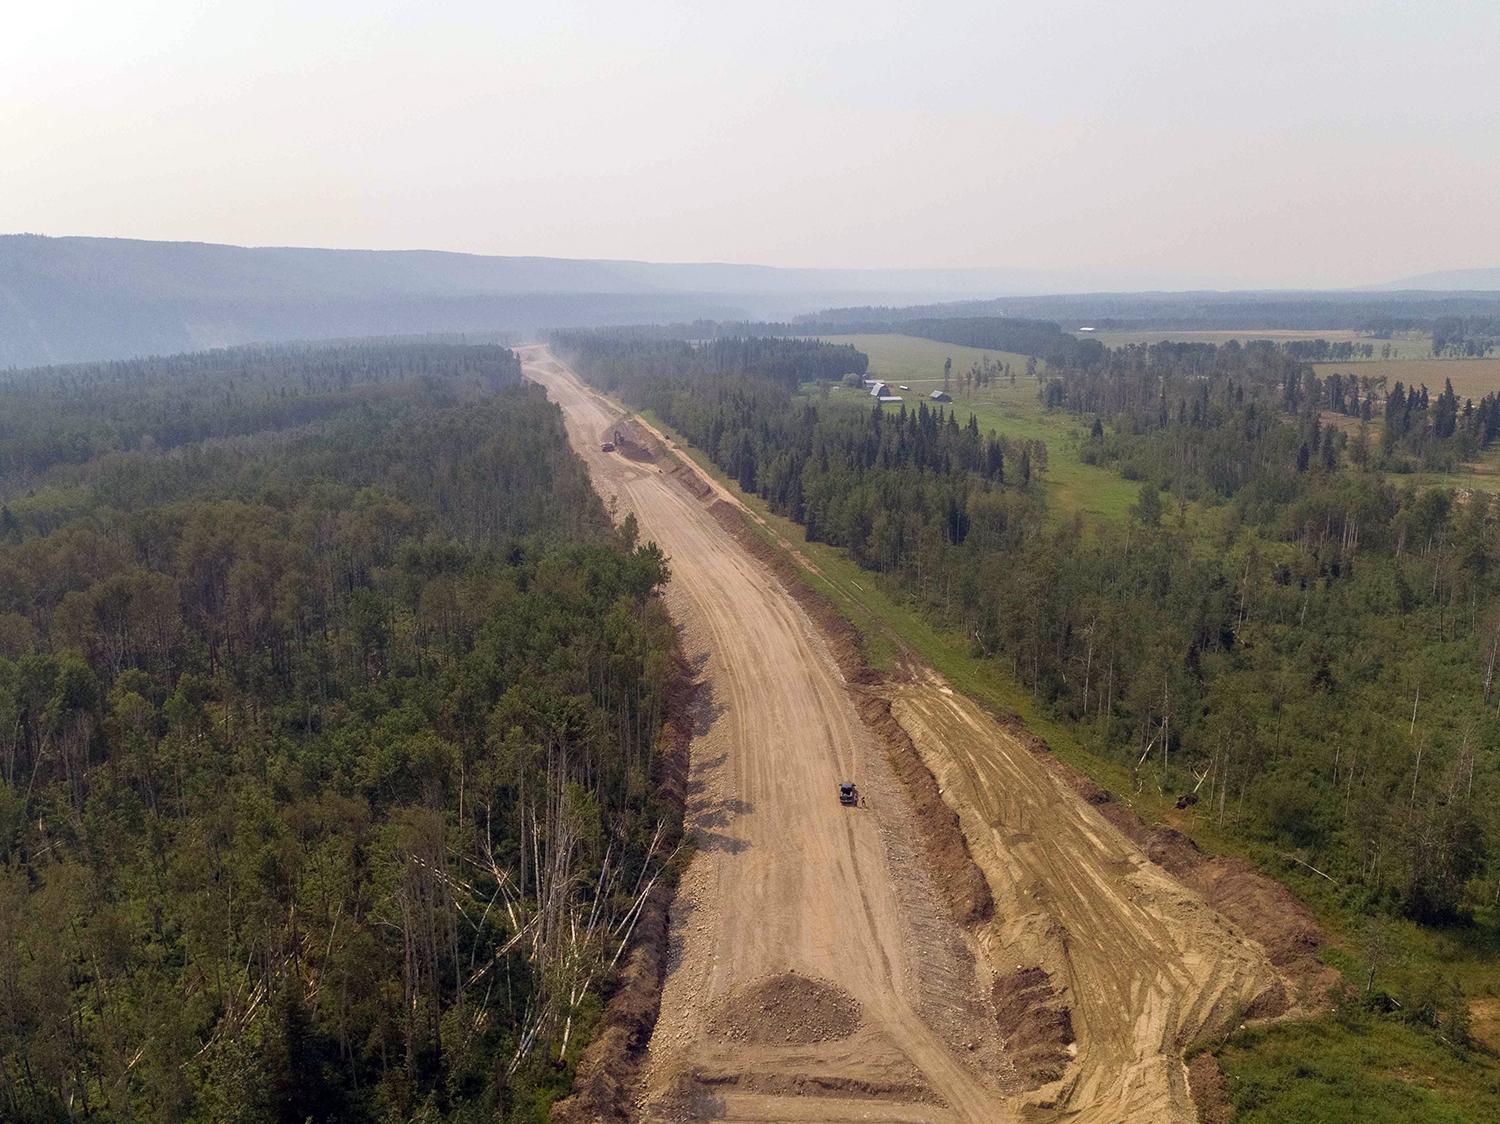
(879, 389)
(940, 396)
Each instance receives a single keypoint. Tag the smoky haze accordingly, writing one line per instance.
(1084, 145)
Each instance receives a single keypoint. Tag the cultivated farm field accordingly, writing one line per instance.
(1472, 378)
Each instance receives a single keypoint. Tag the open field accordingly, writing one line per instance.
(787, 887)
(1071, 486)
(1472, 378)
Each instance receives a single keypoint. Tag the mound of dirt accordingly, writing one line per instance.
(635, 443)
(1036, 1026)
(1210, 1090)
(1485, 1014)
(1261, 906)
(696, 486)
(958, 877)
(788, 1009)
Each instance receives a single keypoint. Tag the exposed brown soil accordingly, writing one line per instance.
(800, 1085)
(1143, 965)
(843, 638)
(712, 1093)
(1035, 1024)
(1262, 907)
(1210, 1090)
(1485, 1014)
(635, 443)
(789, 1008)
(961, 883)
(686, 478)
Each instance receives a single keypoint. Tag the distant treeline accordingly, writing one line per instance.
(1040, 338)
(1380, 314)
(1466, 337)
(641, 352)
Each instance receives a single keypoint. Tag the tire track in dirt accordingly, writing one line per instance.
(1144, 966)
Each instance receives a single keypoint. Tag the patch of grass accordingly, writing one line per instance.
(1480, 477)
(1072, 487)
(1364, 1070)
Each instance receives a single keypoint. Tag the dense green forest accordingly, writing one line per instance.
(1212, 419)
(328, 704)
(652, 353)
(1314, 667)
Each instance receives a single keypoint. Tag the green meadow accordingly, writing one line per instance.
(1015, 411)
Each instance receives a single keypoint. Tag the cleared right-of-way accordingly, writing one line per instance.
(814, 972)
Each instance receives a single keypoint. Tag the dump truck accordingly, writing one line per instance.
(848, 794)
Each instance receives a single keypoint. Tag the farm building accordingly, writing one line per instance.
(884, 398)
(879, 390)
(940, 396)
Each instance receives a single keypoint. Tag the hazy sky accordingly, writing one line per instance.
(1272, 142)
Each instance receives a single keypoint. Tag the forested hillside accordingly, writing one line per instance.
(1313, 669)
(328, 705)
(65, 300)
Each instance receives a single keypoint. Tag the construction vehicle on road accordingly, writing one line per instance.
(848, 793)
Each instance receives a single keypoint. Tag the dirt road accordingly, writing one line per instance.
(814, 973)
(786, 880)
